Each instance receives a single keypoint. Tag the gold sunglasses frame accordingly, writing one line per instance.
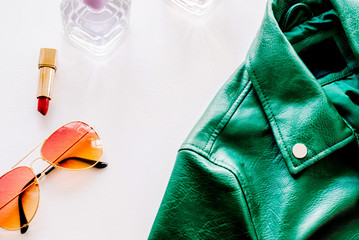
(48, 169)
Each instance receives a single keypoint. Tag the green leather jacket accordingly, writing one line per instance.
(276, 156)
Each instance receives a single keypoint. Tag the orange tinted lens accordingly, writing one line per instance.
(73, 146)
(19, 198)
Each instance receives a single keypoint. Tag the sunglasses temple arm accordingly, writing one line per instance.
(46, 172)
(101, 165)
(23, 220)
(97, 165)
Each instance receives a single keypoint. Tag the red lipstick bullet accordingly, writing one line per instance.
(47, 70)
(43, 105)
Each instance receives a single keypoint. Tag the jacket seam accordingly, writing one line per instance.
(347, 72)
(231, 169)
(219, 127)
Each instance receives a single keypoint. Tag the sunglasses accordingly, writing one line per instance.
(74, 146)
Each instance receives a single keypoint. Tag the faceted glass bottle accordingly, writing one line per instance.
(95, 25)
(197, 7)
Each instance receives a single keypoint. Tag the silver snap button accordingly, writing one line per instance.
(300, 150)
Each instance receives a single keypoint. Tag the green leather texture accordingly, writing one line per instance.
(237, 175)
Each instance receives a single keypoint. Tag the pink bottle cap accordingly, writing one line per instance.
(95, 4)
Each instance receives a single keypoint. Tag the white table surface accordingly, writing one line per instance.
(143, 100)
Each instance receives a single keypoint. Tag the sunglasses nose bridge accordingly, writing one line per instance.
(43, 167)
(36, 159)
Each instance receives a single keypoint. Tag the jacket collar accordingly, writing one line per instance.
(294, 102)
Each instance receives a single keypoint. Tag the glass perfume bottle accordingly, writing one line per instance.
(197, 7)
(95, 25)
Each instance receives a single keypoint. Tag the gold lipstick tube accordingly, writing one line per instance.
(47, 70)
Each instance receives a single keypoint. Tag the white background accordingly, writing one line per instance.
(143, 100)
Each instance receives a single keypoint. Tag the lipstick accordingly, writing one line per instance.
(47, 70)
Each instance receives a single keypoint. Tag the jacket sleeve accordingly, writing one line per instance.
(203, 200)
